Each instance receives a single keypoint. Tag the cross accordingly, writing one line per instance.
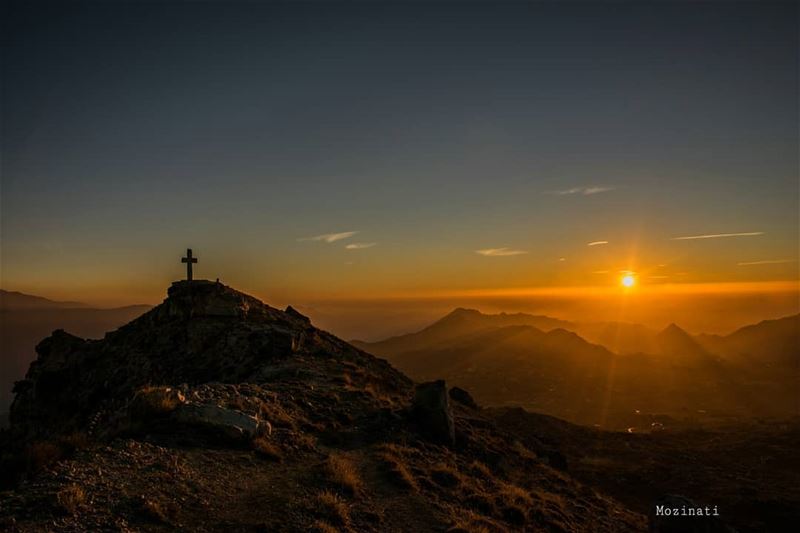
(188, 260)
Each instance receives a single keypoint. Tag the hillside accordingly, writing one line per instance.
(559, 373)
(25, 321)
(16, 301)
(215, 411)
(457, 323)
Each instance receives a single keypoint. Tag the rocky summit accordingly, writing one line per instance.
(216, 411)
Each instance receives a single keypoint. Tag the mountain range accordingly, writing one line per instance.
(551, 366)
(215, 411)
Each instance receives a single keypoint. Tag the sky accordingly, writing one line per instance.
(351, 151)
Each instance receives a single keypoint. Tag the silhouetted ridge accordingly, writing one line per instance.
(202, 332)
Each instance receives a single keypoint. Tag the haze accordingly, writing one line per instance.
(385, 163)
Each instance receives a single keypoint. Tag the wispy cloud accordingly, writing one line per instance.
(596, 243)
(766, 262)
(499, 252)
(585, 191)
(330, 237)
(360, 245)
(718, 235)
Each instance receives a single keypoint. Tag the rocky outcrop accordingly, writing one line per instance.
(203, 332)
(430, 410)
(229, 423)
(457, 394)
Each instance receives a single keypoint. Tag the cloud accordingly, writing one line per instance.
(499, 252)
(585, 191)
(360, 245)
(330, 237)
(600, 272)
(766, 262)
(718, 236)
(596, 243)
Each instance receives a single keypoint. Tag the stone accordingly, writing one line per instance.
(291, 311)
(463, 397)
(227, 422)
(430, 410)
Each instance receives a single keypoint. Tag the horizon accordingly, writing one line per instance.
(375, 318)
(356, 150)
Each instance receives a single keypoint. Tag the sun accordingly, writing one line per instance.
(628, 280)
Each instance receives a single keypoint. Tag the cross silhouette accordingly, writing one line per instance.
(188, 260)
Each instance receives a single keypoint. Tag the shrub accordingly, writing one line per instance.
(154, 401)
(70, 498)
(333, 508)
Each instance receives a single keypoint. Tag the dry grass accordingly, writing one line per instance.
(155, 401)
(267, 449)
(446, 475)
(341, 472)
(397, 470)
(323, 527)
(70, 498)
(276, 415)
(333, 508)
(156, 511)
(480, 470)
(510, 493)
(468, 522)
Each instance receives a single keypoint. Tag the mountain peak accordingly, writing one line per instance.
(673, 329)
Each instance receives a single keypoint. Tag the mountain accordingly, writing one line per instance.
(10, 300)
(558, 372)
(459, 322)
(26, 319)
(216, 411)
(619, 337)
(772, 343)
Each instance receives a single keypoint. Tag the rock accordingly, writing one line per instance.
(557, 460)
(670, 514)
(463, 397)
(430, 409)
(291, 311)
(227, 422)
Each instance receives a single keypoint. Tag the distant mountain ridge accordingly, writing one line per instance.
(26, 319)
(13, 300)
(579, 371)
(458, 322)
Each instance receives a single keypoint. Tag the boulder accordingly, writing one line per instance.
(430, 410)
(230, 423)
(461, 396)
